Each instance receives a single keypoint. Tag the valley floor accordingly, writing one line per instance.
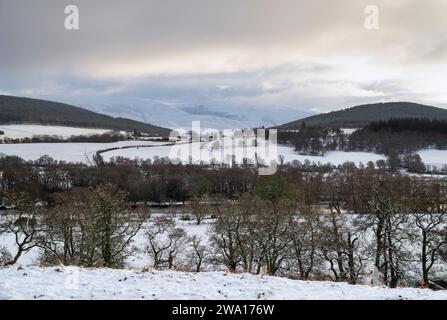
(76, 283)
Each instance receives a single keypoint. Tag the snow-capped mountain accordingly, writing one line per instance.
(179, 116)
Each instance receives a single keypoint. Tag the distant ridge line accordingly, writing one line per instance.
(362, 115)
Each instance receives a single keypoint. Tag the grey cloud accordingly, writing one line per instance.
(32, 32)
(273, 51)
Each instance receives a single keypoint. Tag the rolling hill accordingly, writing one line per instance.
(18, 110)
(360, 116)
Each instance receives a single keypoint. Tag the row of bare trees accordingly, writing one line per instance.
(401, 231)
(286, 238)
(339, 225)
(398, 231)
(87, 227)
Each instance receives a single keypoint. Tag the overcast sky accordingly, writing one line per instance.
(309, 55)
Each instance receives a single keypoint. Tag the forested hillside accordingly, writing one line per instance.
(401, 135)
(360, 116)
(18, 110)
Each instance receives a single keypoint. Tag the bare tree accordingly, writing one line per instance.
(200, 207)
(113, 225)
(23, 223)
(156, 235)
(64, 239)
(432, 240)
(224, 236)
(274, 235)
(388, 220)
(306, 237)
(177, 238)
(340, 247)
(198, 252)
(164, 242)
(429, 217)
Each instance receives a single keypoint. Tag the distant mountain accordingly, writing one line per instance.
(179, 115)
(361, 116)
(18, 110)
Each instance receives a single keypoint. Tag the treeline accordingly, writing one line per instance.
(419, 125)
(156, 181)
(401, 135)
(107, 137)
(159, 181)
(314, 140)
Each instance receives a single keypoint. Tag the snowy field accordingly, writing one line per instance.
(208, 154)
(83, 152)
(77, 283)
(27, 280)
(70, 152)
(435, 158)
(27, 131)
(216, 152)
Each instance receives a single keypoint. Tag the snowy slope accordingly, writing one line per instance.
(175, 116)
(160, 114)
(76, 283)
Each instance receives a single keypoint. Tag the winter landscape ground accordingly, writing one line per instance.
(84, 152)
(31, 283)
(30, 280)
(223, 150)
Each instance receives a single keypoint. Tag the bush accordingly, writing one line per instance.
(5, 256)
(185, 217)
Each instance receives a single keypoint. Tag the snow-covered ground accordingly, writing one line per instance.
(27, 131)
(217, 152)
(435, 158)
(28, 281)
(77, 283)
(334, 157)
(83, 152)
(207, 155)
(348, 130)
(70, 152)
